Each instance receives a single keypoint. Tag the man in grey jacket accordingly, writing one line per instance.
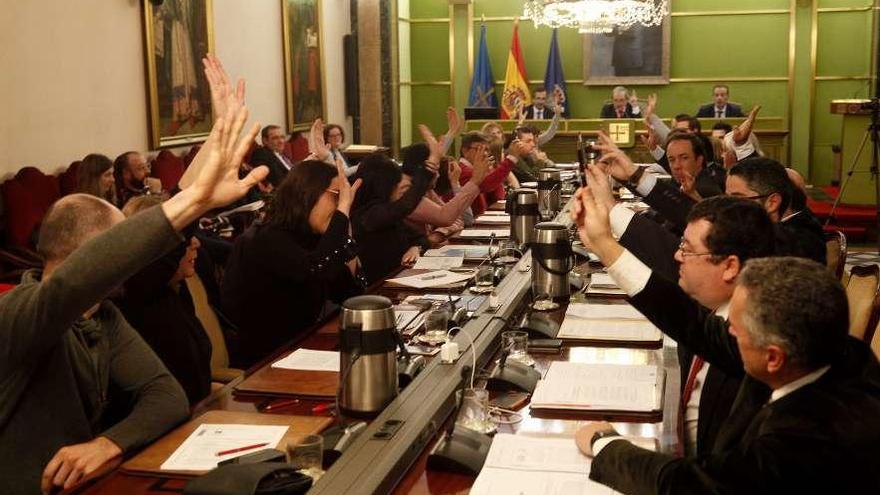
(78, 387)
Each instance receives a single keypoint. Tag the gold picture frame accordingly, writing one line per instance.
(303, 63)
(645, 64)
(177, 35)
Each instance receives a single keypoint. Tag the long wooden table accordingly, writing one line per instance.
(415, 478)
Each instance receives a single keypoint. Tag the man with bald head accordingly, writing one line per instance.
(79, 388)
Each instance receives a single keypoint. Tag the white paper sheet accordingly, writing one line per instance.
(528, 465)
(456, 250)
(600, 311)
(496, 213)
(468, 233)
(499, 219)
(199, 451)
(309, 360)
(432, 279)
(582, 386)
(438, 262)
(617, 330)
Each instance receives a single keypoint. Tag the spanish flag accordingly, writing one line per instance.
(516, 87)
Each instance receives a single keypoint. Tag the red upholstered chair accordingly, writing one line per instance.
(168, 168)
(191, 155)
(6, 288)
(26, 198)
(67, 179)
(297, 148)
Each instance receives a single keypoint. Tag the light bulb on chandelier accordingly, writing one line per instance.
(595, 16)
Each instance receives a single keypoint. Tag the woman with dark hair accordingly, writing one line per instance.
(95, 176)
(387, 198)
(440, 219)
(284, 268)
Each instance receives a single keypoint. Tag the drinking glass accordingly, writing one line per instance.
(307, 455)
(516, 344)
(436, 324)
(485, 276)
(474, 411)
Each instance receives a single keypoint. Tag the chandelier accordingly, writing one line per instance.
(595, 16)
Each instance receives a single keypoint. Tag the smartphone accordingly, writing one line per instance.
(422, 350)
(545, 345)
(510, 400)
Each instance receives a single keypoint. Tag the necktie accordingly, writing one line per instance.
(619, 114)
(689, 385)
(718, 113)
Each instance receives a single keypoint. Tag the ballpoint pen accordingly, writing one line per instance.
(241, 449)
(432, 277)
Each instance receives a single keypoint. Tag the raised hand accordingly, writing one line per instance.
(436, 151)
(651, 107)
(223, 95)
(605, 144)
(454, 172)
(600, 186)
(217, 183)
(481, 164)
(634, 99)
(742, 131)
(688, 186)
(594, 227)
(649, 139)
(454, 122)
(347, 192)
(317, 146)
(520, 149)
(617, 165)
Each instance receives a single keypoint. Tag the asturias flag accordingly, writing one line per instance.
(554, 81)
(483, 84)
(516, 88)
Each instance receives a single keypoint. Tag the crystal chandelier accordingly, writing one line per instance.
(595, 16)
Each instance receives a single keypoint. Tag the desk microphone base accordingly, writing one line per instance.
(464, 452)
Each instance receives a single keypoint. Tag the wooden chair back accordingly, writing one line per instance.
(861, 292)
(220, 370)
(835, 252)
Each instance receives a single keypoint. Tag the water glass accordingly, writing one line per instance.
(307, 455)
(474, 411)
(516, 344)
(485, 276)
(436, 324)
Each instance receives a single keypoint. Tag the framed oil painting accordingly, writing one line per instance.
(638, 55)
(178, 33)
(303, 70)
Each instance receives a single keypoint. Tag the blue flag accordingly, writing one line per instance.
(554, 80)
(483, 84)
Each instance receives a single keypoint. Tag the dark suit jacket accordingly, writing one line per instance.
(655, 246)
(609, 113)
(277, 170)
(802, 235)
(530, 112)
(708, 111)
(822, 438)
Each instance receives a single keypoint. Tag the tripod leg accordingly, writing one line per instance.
(849, 175)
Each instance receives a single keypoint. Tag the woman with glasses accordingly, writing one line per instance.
(285, 268)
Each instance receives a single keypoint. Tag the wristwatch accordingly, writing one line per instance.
(602, 434)
(636, 177)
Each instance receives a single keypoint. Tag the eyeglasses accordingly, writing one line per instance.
(686, 252)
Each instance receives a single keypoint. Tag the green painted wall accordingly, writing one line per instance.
(705, 46)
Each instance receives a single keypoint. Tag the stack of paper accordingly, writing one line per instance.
(536, 466)
(438, 262)
(431, 279)
(309, 360)
(600, 387)
(459, 250)
(212, 443)
(493, 219)
(608, 322)
(602, 284)
(480, 233)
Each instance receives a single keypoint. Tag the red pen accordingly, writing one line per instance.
(280, 404)
(240, 449)
(321, 408)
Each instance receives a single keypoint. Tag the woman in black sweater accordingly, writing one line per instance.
(284, 269)
(388, 197)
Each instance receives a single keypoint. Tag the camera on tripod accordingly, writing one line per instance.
(872, 105)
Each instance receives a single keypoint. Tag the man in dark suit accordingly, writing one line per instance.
(270, 154)
(720, 108)
(539, 110)
(735, 231)
(622, 106)
(804, 420)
